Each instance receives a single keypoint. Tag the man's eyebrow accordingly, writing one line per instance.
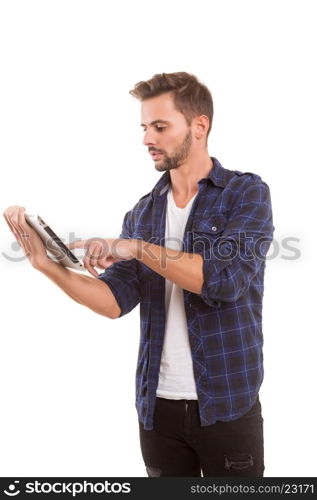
(156, 121)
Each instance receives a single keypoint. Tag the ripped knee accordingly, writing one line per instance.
(153, 471)
(239, 462)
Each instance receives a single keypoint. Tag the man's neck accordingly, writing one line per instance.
(184, 179)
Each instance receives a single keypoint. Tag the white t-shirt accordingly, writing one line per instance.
(176, 377)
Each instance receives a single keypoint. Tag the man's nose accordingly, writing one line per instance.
(149, 138)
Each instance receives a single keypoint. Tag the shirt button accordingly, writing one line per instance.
(214, 228)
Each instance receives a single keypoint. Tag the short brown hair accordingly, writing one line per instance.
(191, 97)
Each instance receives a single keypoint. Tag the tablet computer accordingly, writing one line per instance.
(54, 245)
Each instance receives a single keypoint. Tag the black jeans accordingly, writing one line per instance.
(179, 446)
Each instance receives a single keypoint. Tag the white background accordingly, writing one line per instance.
(71, 149)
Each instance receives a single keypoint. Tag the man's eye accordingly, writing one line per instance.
(157, 128)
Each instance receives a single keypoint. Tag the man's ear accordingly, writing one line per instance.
(201, 125)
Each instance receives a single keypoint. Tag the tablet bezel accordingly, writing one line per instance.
(57, 250)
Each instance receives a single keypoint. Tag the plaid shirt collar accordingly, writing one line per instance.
(217, 175)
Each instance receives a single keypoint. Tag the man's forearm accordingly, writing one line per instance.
(183, 269)
(85, 290)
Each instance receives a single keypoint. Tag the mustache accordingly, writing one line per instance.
(155, 150)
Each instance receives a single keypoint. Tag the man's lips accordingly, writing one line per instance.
(155, 155)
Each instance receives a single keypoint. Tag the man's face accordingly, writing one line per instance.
(167, 134)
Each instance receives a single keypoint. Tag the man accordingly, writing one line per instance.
(192, 254)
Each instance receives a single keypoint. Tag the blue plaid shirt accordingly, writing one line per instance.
(231, 226)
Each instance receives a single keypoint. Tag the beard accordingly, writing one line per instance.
(179, 156)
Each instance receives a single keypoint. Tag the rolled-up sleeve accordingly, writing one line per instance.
(122, 277)
(234, 259)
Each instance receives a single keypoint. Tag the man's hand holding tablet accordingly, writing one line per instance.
(27, 238)
(85, 290)
(36, 238)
